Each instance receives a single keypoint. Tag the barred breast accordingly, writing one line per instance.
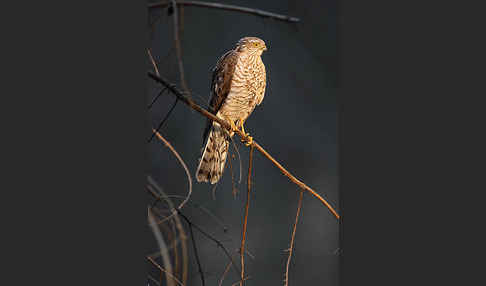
(247, 88)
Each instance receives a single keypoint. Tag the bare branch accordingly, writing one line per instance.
(203, 209)
(163, 270)
(252, 11)
(183, 165)
(163, 248)
(292, 239)
(196, 253)
(245, 221)
(224, 273)
(233, 188)
(155, 190)
(210, 237)
(155, 99)
(164, 120)
(173, 245)
(246, 278)
(226, 125)
(153, 280)
(153, 62)
(178, 47)
(296, 181)
(239, 158)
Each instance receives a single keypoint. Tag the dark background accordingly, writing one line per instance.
(296, 123)
(410, 144)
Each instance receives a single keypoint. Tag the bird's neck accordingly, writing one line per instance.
(251, 57)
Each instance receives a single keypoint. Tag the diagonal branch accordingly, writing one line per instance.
(153, 62)
(252, 11)
(224, 273)
(155, 99)
(174, 90)
(163, 270)
(164, 120)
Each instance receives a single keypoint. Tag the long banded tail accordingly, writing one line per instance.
(213, 159)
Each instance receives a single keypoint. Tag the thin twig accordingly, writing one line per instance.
(224, 273)
(174, 246)
(153, 280)
(230, 161)
(155, 99)
(182, 163)
(196, 253)
(292, 239)
(216, 219)
(153, 62)
(211, 238)
(163, 270)
(239, 159)
(295, 180)
(162, 246)
(156, 189)
(245, 221)
(170, 235)
(181, 21)
(178, 47)
(252, 11)
(226, 125)
(163, 120)
(246, 278)
(158, 95)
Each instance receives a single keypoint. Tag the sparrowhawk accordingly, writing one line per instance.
(237, 86)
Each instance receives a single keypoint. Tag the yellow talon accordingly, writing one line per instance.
(249, 142)
(242, 127)
(233, 126)
(242, 121)
(232, 123)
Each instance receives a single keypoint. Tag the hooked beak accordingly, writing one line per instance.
(264, 48)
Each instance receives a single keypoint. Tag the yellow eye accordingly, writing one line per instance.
(255, 44)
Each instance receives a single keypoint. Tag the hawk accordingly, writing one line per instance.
(237, 86)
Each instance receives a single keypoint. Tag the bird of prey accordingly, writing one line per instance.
(237, 86)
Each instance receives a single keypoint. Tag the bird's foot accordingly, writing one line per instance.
(248, 140)
(232, 124)
(242, 121)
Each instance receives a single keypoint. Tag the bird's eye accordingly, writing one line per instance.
(255, 44)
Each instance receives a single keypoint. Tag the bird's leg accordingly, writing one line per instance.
(232, 123)
(250, 139)
(243, 127)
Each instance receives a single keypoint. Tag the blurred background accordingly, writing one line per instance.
(296, 124)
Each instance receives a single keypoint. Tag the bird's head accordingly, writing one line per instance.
(251, 45)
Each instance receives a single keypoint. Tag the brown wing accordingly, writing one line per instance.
(221, 84)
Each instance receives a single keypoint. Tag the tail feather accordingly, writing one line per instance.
(213, 158)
